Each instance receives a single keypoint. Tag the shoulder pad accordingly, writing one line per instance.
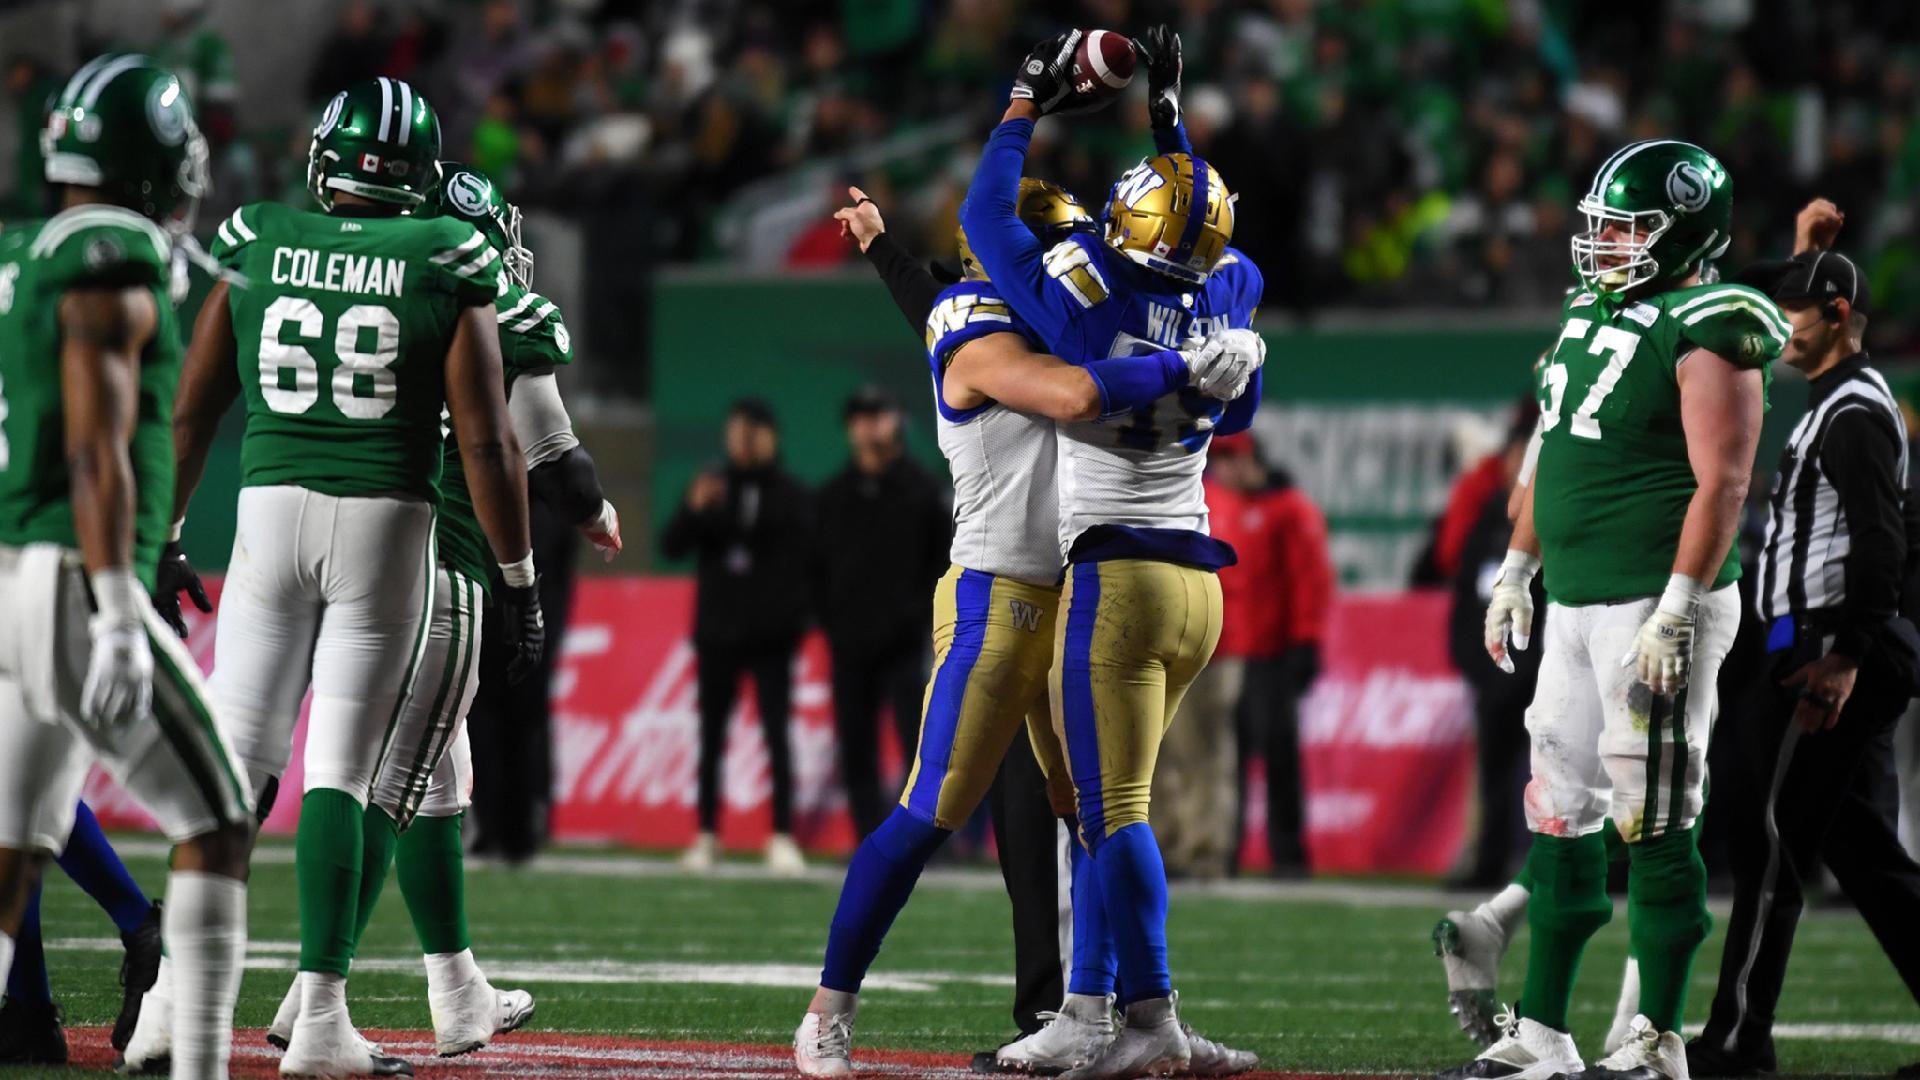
(1738, 323)
(1072, 265)
(532, 330)
(236, 232)
(102, 243)
(966, 310)
(463, 254)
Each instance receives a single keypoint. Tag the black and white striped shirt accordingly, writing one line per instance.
(1836, 542)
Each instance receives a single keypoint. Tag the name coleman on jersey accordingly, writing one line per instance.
(338, 271)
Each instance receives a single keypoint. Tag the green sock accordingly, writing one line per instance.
(380, 837)
(1616, 847)
(433, 879)
(1569, 903)
(1668, 920)
(1524, 878)
(326, 858)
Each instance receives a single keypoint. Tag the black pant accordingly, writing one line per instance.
(511, 725)
(1500, 713)
(1032, 862)
(719, 670)
(1269, 722)
(1797, 791)
(863, 679)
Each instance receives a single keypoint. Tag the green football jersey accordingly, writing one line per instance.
(1613, 482)
(39, 262)
(342, 326)
(533, 339)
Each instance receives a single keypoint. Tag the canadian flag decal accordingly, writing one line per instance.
(369, 163)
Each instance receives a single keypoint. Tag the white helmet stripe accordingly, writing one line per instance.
(406, 111)
(80, 78)
(1605, 176)
(106, 75)
(386, 108)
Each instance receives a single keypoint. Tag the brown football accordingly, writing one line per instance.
(1102, 66)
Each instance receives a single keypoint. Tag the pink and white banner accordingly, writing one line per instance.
(1387, 743)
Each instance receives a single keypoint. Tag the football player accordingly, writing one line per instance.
(1652, 401)
(996, 399)
(1140, 610)
(348, 329)
(425, 781)
(89, 357)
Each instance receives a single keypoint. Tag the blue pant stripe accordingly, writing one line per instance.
(973, 597)
(1076, 693)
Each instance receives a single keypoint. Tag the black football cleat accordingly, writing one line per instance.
(138, 970)
(1706, 1061)
(31, 1034)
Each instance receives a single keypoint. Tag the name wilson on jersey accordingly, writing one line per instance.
(338, 271)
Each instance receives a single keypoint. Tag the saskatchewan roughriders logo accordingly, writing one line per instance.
(332, 116)
(1688, 188)
(470, 193)
(166, 112)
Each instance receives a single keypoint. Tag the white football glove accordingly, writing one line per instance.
(1224, 363)
(119, 685)
(1510, 608)
(1662, 651)
(604, 531)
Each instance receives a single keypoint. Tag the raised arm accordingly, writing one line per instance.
(1160, 48)
(103, 331)
(914, 290)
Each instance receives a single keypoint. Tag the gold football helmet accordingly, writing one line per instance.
(1172, 214)
(1048, 209)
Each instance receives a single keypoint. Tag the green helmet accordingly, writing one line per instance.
(123, 126)
(467, 194)
(1667, 207)
(377, 139)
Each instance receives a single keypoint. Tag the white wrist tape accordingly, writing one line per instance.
(117, 596)
(518, 574)
(173, 537)
(1521, 565)
(1682, 595)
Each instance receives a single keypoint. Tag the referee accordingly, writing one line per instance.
(1819, 742)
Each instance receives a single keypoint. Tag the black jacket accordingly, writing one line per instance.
(882, 545)
(1480, 559)
(752, 550)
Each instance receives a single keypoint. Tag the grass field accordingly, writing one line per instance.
(627, 956)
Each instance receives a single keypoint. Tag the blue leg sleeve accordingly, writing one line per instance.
(1134, 882)
(94, 866)
(27, 982)
(1093, 961)
(879, 880)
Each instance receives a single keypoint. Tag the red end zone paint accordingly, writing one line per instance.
(598, 1057)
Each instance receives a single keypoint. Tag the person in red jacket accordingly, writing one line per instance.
(1275, 618)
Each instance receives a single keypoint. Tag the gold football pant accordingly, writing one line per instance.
(1134, 636)
(993, 643)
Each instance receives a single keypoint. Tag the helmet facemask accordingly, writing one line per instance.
(1622, 262)
(517, 260)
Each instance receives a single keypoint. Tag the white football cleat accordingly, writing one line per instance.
(783, 856)
(1151, 1042)
(1071, 1037)
(325, 1044)
(1647, 1054)
(822, 1045)
(1528, 1050)
(468, 1016)
(280, 1032)
(1628, 1008)
(1209, 1058)
(700, 857)
(149, 1049)
(1470, 945)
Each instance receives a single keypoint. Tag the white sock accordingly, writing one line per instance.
(451, 971)
(1508, 907)
(206, 930)
(1629, 1006)
(6, 961)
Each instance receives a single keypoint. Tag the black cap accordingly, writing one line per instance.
(754, 410)
(1816, 277)
(868, 401)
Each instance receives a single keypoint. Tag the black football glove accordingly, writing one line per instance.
(177, 575)
(1046, 75)
(526, 625)
(1160, 47)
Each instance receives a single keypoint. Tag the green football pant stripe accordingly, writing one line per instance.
(445, 714)
(1649, 824)
(1677, 788)
(187, 725)
(431, 574)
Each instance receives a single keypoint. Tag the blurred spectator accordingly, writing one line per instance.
(748, 524)
(883, 542)
(1276, 598)
(30, 87)
(1499, 700)
(355, 50)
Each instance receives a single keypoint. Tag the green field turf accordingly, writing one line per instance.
(1316, 978)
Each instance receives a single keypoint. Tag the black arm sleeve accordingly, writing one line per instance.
(569, 486)
(914, 289)
(1861, 457)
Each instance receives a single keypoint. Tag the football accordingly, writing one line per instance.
(1102, 66)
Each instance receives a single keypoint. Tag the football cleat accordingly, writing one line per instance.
(1470, 945)
(822, 1045)
(1711, 1059)
(1647, 1054)
(149, 1049)
(1527, 1050)
(326, 1045)
(138, 970)
(1209, 1058)
(280, 1032)
(700, 857)
(783, 856)
(31, 1034)
(466, 1018)
(1151, 1042)
(1070, 1038)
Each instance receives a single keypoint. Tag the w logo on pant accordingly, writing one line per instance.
(1025, 615)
